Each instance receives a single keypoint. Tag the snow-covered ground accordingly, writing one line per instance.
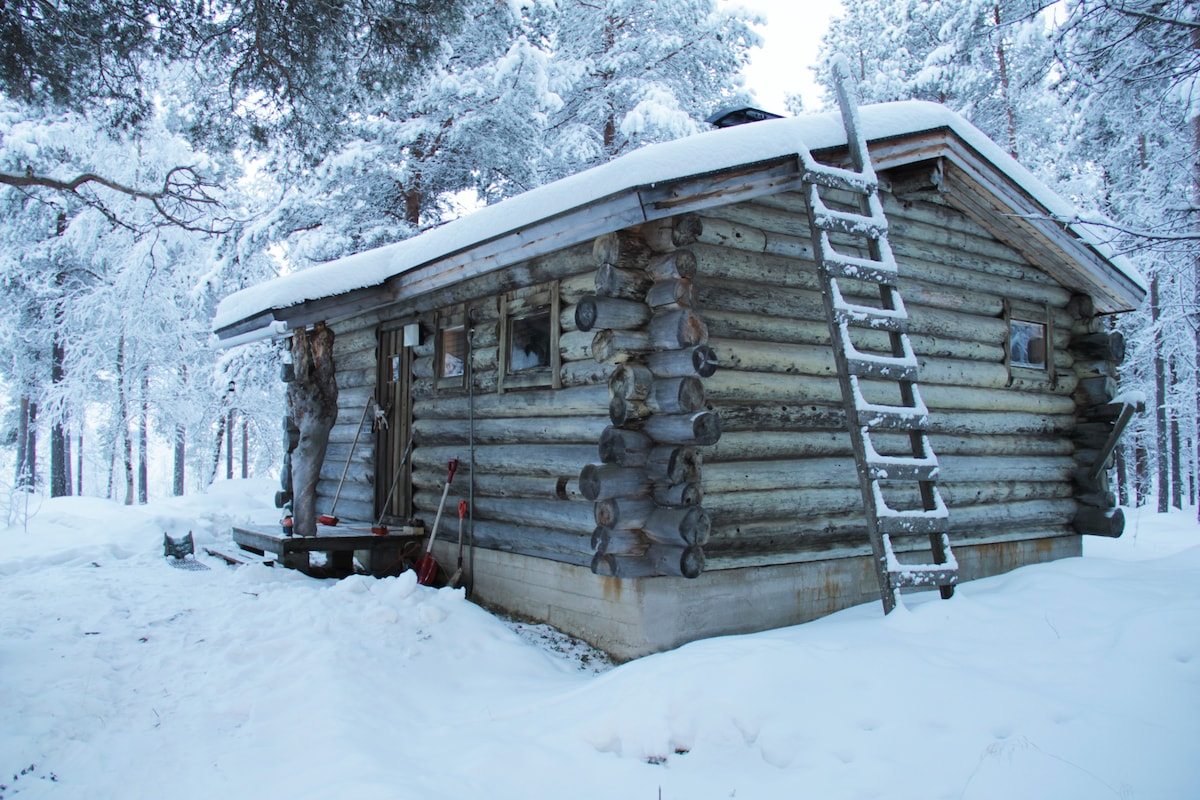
(121, 677)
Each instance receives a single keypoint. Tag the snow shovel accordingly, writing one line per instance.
(379, 529)
(427, 565)
(330, 519)
(462, 522)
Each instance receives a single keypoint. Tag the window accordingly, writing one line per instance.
(1029, 352)
(450, 349)
(529, 338)
(1027, 344)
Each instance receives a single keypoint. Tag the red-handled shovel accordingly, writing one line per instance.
(427, 565)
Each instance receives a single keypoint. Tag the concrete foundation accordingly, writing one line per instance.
(632, 618)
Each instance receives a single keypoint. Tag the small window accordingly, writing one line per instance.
(529, 338)
(450, 349)
(1027, 344)
(529, 341)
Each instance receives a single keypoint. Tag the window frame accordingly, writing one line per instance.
(518, 305)
(449, 320)
(1044, 319)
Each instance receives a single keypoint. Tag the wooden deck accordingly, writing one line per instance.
(379, 555)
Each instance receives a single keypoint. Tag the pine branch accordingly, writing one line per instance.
(184, 200)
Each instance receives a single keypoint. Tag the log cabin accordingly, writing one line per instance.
(678, 384)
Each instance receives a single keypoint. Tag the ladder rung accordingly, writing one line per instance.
(923, 575)
(902, 470)
(840, 265)
(849, 223)
(837, 178)
(895, 369)
(906, 523)
(892, 418)
(875, 319)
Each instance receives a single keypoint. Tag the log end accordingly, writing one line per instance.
(1094, 521)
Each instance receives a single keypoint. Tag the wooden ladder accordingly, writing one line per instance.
(907, 473)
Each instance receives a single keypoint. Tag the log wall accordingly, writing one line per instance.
(700, 423)
(781, 484)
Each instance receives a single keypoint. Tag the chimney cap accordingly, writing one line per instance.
(739, 115)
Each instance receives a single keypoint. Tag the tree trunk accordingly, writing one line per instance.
(177, 484)
(312, 397)
(245, 448)
(59, 482)
(143, 441)
(1160, 405)
(23, 477)
(1176, 451)
(123, 416)
(79, 461)
(229, 428)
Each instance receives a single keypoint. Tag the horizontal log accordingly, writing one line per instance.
(619, 542)
(963, 261)
(769, 504)
(491, 484)
(674, 292)
(700, 428)
(631, 381)
(676, 328)
(1096, 391)
(617, 346)
(513, 459)
(551, 514)
(529, 540)
(628, 413)
(732, 386)
(678, 525)
(669, 233)
(623, 513)
(626, 284)
(515, 430)
(687, 562)
(585, 373)
(576, 345)
(628, 448)
(361, 490)
(672, 266)
(571, 402)
(673, 464)
(349, 511)
(679, 494)
(606, 481)
(818, 473)
(700, 361)
(620, 248)
(594, 312)
(1109, 347)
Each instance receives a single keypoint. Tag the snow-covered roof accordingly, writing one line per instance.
(691, 157)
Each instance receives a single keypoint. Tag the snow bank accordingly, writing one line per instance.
(122, 677)
(680, 159)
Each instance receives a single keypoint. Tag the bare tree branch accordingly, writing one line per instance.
(185, 198)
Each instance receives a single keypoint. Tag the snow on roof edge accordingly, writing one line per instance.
(681, 159)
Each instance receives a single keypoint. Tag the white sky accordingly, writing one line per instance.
(791, 38)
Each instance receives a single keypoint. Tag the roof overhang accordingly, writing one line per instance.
(988, 186)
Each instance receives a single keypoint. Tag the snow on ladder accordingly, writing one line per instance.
(904, 473)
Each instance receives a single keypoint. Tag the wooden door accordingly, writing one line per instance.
(391, 441)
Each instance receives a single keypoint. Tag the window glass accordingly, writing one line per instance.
(529, 341)
(454, 346)
(1027, 344)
